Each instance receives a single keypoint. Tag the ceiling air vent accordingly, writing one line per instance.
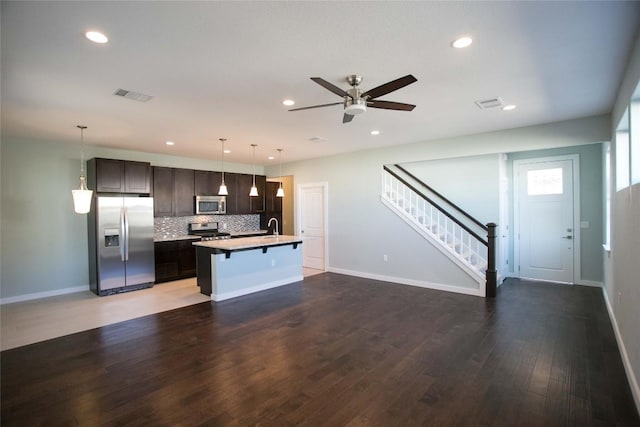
(317, 139)
(140, 97)
(485, 104)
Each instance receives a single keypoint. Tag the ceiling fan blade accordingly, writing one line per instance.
(388, 105)
(346, 118)
(317, 106)
(329, 86)
(390, 87)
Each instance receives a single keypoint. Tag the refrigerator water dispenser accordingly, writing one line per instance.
(111, 237)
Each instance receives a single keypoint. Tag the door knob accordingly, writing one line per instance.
(568, 237)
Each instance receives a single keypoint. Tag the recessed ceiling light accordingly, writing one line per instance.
(271, 157)
(170, 143)
(375, 132)
(509, 107)
(227, 151)
(461, 42)
(96, 37)
(288, 102)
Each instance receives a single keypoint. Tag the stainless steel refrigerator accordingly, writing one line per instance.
(121, 254)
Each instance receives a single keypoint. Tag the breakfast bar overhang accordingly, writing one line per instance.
(234, 267)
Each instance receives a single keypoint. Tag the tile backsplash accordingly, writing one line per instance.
(179, 226)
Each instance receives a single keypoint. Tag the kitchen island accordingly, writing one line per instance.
(234, 267)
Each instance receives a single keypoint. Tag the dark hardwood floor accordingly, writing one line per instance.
(335, 350)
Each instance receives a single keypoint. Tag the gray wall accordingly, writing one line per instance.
(470, 182)
(43, 243)
(591, 203)
(362, 230)
(622, 269)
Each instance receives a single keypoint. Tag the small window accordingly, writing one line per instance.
(544, 181)
(634, 129)
(607, 189)
(622, 152)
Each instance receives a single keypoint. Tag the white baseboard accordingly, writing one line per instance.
(631, 377)
(262, 287)
(47, 294)
(410, 282)
(590, 283)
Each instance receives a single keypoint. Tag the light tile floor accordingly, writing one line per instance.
(28, 322)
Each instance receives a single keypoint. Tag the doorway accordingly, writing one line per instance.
(546, 212)
(312, 224)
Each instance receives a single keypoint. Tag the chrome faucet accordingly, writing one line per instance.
(277, 226)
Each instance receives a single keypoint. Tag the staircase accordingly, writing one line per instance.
(449, 228)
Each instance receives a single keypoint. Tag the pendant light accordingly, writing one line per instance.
(82, 196)
(223, 187)
(254, 189)
(280, 192)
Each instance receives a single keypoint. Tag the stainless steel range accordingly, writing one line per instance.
(207, 231)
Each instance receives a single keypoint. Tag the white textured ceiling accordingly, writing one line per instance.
(222, 69)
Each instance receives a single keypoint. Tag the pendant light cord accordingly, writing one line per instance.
(222, 157)
(280, 151)
(82, 128)
(254, 164)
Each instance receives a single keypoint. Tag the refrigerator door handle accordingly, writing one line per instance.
(126, 234)
(123, 233)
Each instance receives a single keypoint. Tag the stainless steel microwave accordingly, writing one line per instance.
(211, 205)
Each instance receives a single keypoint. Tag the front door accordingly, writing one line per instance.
(544, 214)
(312, 219)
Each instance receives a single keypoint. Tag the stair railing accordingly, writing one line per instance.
(432, 215)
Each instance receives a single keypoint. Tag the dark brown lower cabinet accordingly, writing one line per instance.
(175, 259)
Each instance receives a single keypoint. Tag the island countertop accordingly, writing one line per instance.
(244, 243)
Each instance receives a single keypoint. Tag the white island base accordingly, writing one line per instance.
(232, 268)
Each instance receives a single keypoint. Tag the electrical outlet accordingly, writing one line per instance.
(273, 262)
(224, 225)
(385, 258)
(619, 297)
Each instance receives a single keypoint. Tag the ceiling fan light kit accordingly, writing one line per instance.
(355, 101)
(358, 106)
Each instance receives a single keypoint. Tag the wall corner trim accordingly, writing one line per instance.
(631, 377)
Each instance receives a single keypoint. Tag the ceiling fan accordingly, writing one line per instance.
(356, 101)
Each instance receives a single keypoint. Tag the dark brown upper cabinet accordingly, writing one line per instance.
(243, 200)
(173, 191)
(119, 176)
(163, 183)
(184, 203)
(207, 183)
(272, 204)
(257, 203)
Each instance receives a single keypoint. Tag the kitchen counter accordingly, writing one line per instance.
(171, 237)
(246, 243)
(235, 234)
(234, 267)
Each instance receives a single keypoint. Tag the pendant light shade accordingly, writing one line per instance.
(222, 191)
(280, 192)
(254, 190)
(82, 196)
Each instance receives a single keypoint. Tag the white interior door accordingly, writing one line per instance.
(545, 219)
(312, 224)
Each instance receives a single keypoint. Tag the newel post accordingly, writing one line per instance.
(492, 273)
